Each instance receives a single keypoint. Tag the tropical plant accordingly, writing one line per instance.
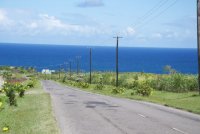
(144, 89)
(83, 85)
(10, 93)
(118, 90)
(100, 85)
(7, 75)
(20, 88)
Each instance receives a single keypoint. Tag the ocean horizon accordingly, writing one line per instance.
(131, 59)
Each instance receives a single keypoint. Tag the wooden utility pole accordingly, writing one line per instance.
(90, 65)
(66, 68)
(59, 71)
(117, 56)
(78, 64)
(198, 45)
(70, 69)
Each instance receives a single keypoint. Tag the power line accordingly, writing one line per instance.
(157, 15)
(151, 11)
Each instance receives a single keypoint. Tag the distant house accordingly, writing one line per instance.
(47, 71)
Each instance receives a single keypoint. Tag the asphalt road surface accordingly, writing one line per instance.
(80, 112)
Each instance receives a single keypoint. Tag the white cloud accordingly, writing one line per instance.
(43, 24)
(53, 24)
(4, 20)
(129, 31)
(157, 35)
(33, 25)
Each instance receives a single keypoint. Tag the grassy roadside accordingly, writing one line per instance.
(33, 115)
(186, 101)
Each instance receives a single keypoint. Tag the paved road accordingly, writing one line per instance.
(79, 112)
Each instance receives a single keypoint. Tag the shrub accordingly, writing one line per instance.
(96, 78)
(20, 88)
(136, 77)
(192, 83)
(100, 85)
(107, 78)
(84, 85)
(118, 90)
(144, 89)
(64, 79)
(10, 93)
(161, 83)
(30, 84)
(7, 75)
(177, 83)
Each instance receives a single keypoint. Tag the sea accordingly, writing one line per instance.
(131, 59)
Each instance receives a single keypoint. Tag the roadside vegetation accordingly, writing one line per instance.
(171, 89)
(24, 107)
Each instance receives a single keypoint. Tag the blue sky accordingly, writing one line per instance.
(142, 23)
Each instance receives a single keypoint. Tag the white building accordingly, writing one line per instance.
(47, 71)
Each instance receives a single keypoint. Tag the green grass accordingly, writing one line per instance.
(186, 101)
(33, 115)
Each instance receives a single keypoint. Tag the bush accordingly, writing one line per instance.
(64, 79)
(177, 83)
(118, 90)
(84, 85)
(107, 78)
(144, 89)
(10, 93)
(192, 83)
(100, 85)
(30, 84)
(20, 88)
(130, 84)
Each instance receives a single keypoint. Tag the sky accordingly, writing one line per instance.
(141, 23)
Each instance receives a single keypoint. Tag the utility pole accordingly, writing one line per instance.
(70, 68)
(66, 67)
(117, 61)
(198, 45)
(90, 65)
(59, 71)
(78, 63)
(46, 74)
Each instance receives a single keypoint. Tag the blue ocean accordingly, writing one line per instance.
(151, 60)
